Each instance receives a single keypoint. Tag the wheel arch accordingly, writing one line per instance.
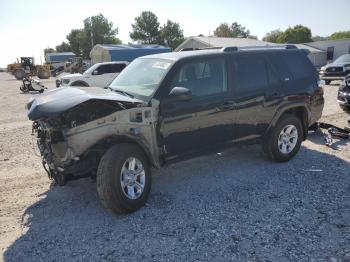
(104, 144)
(79, 83)
(300, 111)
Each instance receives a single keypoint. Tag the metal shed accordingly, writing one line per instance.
(317, 57)
(108, 53)
(58, 57)
(332, 48)
(196, 42)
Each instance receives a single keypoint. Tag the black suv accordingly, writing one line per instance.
(172, 106)
(337, 70)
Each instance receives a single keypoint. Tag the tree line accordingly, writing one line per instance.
(146, 29)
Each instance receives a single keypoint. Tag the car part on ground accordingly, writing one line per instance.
(164, 108)
(332, 132)
(29, 84)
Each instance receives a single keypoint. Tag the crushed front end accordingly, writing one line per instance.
(72, 137)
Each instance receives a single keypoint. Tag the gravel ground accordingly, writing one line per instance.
(234, 205)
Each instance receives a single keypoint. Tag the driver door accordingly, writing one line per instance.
(203, 121)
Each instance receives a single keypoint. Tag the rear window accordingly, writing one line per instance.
(250, 73)
(293, 65)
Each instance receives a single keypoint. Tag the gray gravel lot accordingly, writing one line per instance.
(235, 205)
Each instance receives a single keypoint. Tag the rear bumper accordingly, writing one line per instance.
(332, 77)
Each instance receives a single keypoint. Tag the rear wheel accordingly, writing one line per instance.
(123, 178)
(284, 140)
(19, 74)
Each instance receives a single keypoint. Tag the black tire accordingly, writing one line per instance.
(270, 143)
(19, 74)
(108, 178)
(328, 82)
(44, 74)
(24, 89)
(79, 83)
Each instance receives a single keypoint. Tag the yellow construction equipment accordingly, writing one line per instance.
(27, 67)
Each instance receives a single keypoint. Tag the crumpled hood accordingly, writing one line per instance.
(57, 101)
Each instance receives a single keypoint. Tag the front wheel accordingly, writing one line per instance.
(123, 178)
(284, 140)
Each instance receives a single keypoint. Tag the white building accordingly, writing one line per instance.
(321, 52)
(199, 42)
(317, 56)
(332, 48)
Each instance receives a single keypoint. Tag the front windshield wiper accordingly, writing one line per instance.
(121, 92)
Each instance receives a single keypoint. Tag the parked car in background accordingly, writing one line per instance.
(167, 107)
(99, 75)
(337, 70)
(344, 94)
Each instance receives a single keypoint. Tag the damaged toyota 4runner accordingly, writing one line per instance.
(168, 107)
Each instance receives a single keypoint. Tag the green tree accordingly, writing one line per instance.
(76, 39)
(339, 35)
(49, 50)
(239, 30)
(223, 30)
(146, 28)
(295, 35)
(233, 30)
(63, 47)
(97, 30)
(272, 36)
(171, 34)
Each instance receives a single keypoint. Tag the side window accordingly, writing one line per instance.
(117, 68)
(272, 74)
(103, 69)
(202, 78)
(330, 53)
(250, 73)
(294, 65)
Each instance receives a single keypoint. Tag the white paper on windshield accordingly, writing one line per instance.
(161, 65)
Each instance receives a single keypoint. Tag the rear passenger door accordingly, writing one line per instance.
(255, 91)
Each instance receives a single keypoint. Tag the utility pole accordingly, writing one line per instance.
(92, 34)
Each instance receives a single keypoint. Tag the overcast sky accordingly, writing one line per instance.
(27, 27)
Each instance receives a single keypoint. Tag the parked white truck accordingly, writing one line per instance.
(100, 75)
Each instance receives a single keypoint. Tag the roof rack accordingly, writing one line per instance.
(235, 48)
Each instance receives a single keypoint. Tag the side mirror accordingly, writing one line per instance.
(180, 94)
(95, 72)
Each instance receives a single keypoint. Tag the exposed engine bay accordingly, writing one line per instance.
(72, 142)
